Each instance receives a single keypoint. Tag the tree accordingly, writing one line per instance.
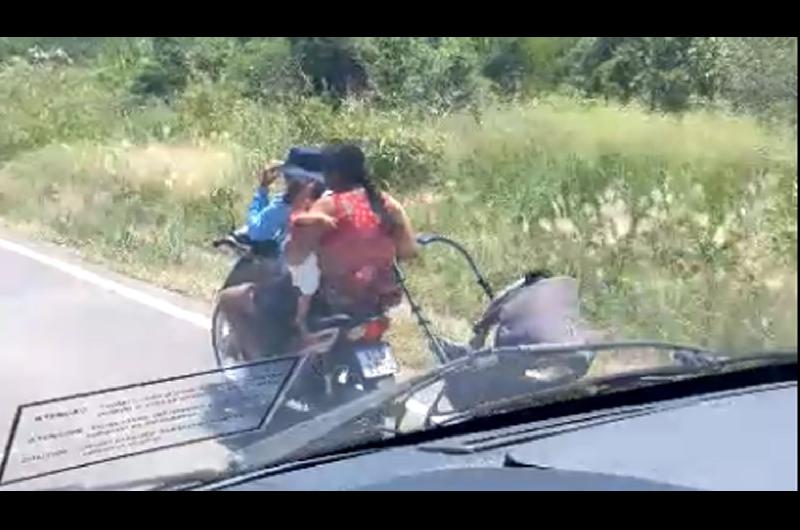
(433, 73)
(167, 72)
(266, 68)
(332, 64)
(760, 74)
(527, 63)
(664, 72)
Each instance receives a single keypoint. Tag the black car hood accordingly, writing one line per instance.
(517, 479)
(743, 441)
(732, 440)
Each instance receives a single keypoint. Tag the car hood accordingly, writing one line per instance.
(738, 441)
(732, 440)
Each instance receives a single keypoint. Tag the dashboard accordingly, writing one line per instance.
(740, 439)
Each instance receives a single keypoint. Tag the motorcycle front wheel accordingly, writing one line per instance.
(226, 350)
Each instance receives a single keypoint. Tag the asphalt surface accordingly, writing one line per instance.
(61, 335)
(70, 327)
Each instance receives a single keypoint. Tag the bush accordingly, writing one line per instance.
(40, 104)
(403, 152)
(528, 64)
(266, 70)
(434, 74)
(167, 71)
(662, 72)
(760, 76)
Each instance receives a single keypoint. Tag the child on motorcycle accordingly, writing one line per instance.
(301, 261)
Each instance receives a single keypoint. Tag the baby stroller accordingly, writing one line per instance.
(535, 312)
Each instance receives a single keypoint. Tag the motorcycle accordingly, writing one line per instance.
(347, 355)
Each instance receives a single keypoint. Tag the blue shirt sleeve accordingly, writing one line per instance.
(267, 219)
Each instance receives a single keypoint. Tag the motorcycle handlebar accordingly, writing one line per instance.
(230, 243)
(425, 239)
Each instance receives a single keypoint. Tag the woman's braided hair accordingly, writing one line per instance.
(349, 162)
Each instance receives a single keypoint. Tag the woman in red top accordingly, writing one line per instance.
(371, 230)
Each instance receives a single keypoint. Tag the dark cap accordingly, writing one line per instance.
(303, 164)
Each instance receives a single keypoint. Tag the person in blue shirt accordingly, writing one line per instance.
(263, 312)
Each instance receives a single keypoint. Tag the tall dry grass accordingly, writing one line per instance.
(679, 228)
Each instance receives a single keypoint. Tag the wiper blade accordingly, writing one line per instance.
(299, 441)
(693, 366)
(487, 358)
(546, 428)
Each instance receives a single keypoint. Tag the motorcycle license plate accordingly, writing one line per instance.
(376, 361)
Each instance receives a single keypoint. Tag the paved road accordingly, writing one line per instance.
(68, 327)
(60, 334)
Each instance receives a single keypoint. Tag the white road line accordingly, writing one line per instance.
(143, 298)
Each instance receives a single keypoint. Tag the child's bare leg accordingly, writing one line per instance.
(239, 308)
(303, 306)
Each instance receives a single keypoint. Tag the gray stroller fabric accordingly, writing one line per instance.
(547, 311)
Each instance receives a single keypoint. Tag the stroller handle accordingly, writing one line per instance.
(426, 239)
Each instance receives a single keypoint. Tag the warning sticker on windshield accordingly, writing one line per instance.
(75, 431)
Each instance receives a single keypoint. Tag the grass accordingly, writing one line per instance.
(678, 228)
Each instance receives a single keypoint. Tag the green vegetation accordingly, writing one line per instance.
(662, 172)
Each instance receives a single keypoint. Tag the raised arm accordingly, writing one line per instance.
(266, 217)
(404, 237)
(309, 228)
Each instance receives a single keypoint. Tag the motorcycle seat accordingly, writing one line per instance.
(339, 320)
(332, 321)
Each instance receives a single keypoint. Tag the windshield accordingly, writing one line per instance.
(167, 312)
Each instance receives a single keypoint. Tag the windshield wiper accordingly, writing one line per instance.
(588, 397)
(301, 441)
(693, 367)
